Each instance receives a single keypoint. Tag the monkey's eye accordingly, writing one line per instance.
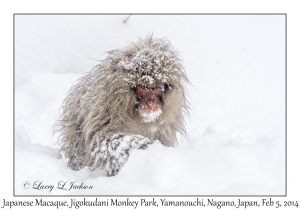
(167, 87)
(142, 89)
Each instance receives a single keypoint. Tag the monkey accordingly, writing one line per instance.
(132, 98)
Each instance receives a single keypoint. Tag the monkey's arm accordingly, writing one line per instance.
(114, 151)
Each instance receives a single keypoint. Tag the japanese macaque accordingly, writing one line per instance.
(134, 97)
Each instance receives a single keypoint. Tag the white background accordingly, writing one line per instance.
(236, 64)
(293, 77)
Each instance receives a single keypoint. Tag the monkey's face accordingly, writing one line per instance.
(149, 98)
(149, 68)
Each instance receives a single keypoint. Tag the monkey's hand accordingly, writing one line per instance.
(114, 152)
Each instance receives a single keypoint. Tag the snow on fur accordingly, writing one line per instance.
(101, 105)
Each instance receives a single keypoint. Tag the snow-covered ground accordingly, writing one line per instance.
(236, 65)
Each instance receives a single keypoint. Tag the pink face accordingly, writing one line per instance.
(149, 98)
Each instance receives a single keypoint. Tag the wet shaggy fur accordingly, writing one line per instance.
(100, 123)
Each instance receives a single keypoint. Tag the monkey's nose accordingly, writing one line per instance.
(151, 95)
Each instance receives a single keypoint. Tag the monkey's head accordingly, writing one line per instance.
(139, 89)
(148, 81)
